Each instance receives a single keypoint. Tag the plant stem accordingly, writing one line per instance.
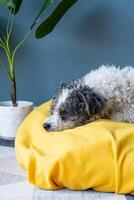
(20, 44)
(13, 92)
(10, 55)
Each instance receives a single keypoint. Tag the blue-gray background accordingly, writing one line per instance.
(93, 32)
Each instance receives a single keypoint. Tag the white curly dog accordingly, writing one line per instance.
(107, 92)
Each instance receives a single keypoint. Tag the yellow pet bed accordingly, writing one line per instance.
(99, 155)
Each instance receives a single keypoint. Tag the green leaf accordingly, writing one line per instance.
(48, 25)
(44, 7)
(17, 4)
(12, 5)
(6, 3)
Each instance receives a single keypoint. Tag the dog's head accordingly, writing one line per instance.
(74, 104)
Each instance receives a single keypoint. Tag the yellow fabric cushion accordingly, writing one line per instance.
(99, 155)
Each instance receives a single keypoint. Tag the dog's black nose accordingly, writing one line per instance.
(47, 126)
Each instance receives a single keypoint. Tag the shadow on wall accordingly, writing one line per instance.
(102, 24)
(95, 26)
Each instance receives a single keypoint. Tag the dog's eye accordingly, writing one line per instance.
(63, 115)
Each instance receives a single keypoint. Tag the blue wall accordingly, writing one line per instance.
(90, 34)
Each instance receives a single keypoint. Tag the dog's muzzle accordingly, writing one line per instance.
(47, 126)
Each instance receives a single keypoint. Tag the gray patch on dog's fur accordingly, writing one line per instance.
(81, 104)
(71, 85)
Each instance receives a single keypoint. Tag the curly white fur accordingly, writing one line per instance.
(116, 85)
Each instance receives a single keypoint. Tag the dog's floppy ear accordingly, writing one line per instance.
(94, 102)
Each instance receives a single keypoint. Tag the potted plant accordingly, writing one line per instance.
(13, 112)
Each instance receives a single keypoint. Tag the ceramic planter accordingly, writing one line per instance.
(11, 117)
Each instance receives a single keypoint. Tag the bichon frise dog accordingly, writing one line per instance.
(107, 92)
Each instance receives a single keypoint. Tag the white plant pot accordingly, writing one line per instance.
(11, 117)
